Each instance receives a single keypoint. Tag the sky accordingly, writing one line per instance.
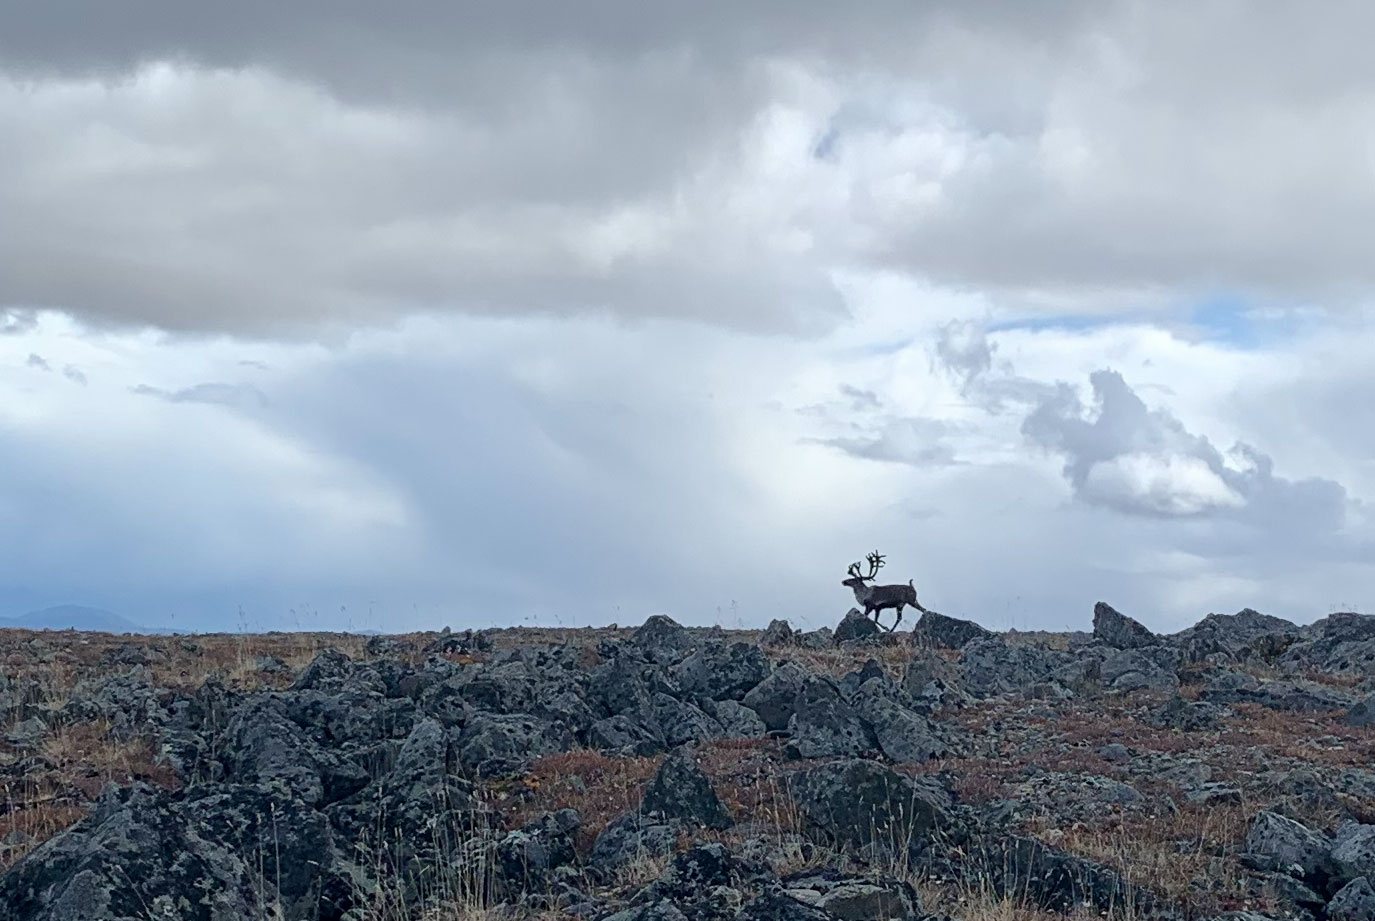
(332, 315)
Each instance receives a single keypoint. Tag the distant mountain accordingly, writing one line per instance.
(76, 617)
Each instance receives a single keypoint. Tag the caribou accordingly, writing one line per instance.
(875, 598)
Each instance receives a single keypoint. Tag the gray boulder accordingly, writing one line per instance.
(662, 639)
(494, 743)
(1287, 846)
(1245, 636)
(1353, 902)
(994, 667)
(824, 725)
(903, 736)
(1116, 629)
(869, 807)
(1135, 670)
(737, 720)
(678, 721)
(1362, 713)
(1353, 852)
(778, 633)
(937, 631)
(781, 906)
(133, 858)
(775, 698)
(629, 838)
(528, 856)
(680, 790)
(856, 627)
(720, 671)
(1185, 715)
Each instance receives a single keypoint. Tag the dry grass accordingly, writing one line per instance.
(600, 787)
(1170, 852)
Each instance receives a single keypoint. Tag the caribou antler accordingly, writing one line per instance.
(875, 561)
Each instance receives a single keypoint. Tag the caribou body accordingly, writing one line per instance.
(876, 598)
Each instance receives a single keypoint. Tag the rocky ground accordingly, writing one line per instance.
(669, 773)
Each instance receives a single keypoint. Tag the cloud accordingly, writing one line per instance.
(75, 375)
(638, 162)
(1137, 460)
(963, 348)
(37, 362)
(218, 394)
(16, 322)
(916, 442)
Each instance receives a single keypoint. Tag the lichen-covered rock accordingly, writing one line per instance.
(1362, 713)
(629, 838)
(778, 633)
(135, 857)
(1287, 846)
(824, 725)
(681, 790)
(662, 639)
(1281, 694)
(721, 671)
(491, 744)
(993, 666)
(1116, 629)
(1353, 902)
(1186, 715)
(870, 807)
(1353, 852)
(903, 736)
(937, 631)
(529, 855)
(737, 720)
(1136, 669)
(775, 698)
(875, 898)
(856, 627)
